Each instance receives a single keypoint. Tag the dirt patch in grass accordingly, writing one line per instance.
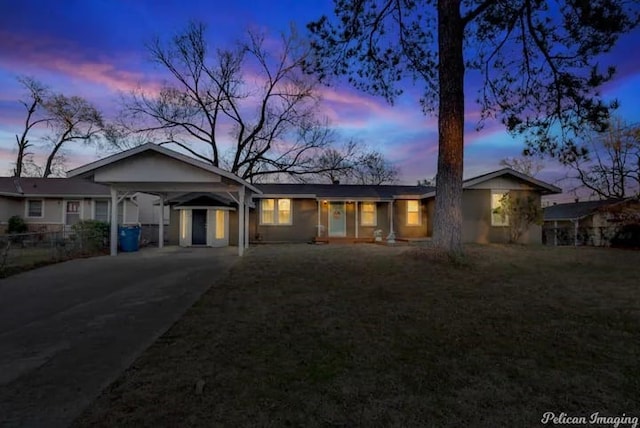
(364, 335)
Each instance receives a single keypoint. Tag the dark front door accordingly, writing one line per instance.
(199, 227)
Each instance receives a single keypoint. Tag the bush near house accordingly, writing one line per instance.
(16, 224)
(91, 235)
(522, 212)
(628, 236)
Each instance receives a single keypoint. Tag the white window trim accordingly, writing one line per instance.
(375, 214)
(419, 214)
(64, 209)
(276, 215)
(93, 209)
(505, 223)
(26, 208)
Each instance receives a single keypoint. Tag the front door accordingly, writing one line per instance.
(337, 219)
(199, 227)
(72, 213)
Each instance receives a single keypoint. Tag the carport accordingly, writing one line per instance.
(156, 170)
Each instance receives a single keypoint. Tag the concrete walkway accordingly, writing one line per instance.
(68, 330)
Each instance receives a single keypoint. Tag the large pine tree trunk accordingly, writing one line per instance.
(447, 227)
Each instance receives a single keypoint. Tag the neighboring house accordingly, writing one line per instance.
(588, 222)
(55, 204)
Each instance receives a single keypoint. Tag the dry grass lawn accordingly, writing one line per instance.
(302, 335)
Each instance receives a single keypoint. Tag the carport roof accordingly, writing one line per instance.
(89, 169)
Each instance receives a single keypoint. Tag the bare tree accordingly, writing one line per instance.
(36, 94)
(249, 109)
(373, 168)
(538, 62)
(61, 119)
(354, 163)
(608, 163)
(70, 119)
(527, 165)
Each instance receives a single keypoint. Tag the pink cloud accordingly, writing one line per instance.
(24, 55)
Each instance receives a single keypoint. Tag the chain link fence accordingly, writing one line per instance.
(23, 251)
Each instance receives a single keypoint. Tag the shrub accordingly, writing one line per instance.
(627, 237)
(16, 225)
(92, 234)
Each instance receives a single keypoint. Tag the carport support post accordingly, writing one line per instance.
(114, 222)
(241, 221)
(161, 223)
(246, 226)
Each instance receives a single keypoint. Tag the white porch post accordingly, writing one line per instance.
(555, 233)
(318, 234)
(246, 225)
(241, 221)
(356, 219)
(161, 223)
(391, 239)
(114, 222)
(575, 233)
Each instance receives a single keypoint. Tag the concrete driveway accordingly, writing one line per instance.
(68, 330)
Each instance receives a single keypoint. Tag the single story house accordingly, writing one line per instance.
(587, 222)
(213, 207)
(55, 204)
(343, 212)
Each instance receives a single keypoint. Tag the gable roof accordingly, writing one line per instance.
(575, 210)
(51, 187)
(342, 191)
(201, 199)
(544, 187)
(90, 168)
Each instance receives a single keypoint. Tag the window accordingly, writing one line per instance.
(275, 211)
(368, 214)
(220, 227)
(101, 211)
(498, 218)
(35, 208)
(413, 213)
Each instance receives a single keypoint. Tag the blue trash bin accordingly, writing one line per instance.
(129, 238)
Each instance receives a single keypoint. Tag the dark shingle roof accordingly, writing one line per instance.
(344, 190)
(31, 186)
(575, 210)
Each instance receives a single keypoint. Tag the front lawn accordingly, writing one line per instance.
(364, 335)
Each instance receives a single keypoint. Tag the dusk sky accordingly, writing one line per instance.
(95, 48)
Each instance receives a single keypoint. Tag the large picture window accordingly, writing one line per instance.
(368, 214)
(275, 211)
(498, 218)
(413, 213)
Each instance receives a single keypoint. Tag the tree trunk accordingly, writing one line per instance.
(49, 166)
(447, 228)
(20, 159)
